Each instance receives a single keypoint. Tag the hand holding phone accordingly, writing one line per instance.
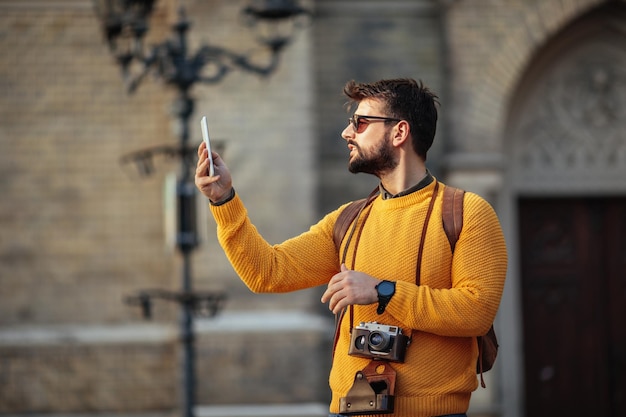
(207, 140)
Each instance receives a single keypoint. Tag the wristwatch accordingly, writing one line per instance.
(386, 290)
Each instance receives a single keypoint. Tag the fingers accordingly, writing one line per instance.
(202, 159)
(203, 181)
(215, 187)
(335, 299)
(202, 167)
(337, 306)
(350, 287)
(201, 149)
(337, 291)
(327, 294)
(331, 289)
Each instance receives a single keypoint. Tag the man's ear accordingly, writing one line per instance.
(402, 133)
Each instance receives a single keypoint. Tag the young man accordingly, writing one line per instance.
(372, 275)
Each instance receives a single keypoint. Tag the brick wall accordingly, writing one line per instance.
(77, 232)
(80, 230)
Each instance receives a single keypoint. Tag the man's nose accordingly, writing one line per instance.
(348, 132)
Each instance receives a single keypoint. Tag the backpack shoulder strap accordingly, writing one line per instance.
(452, 213)
(347, 216)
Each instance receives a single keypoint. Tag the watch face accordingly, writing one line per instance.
(386, 289)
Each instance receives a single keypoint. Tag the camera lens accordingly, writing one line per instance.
(359, 343)
(378, 341)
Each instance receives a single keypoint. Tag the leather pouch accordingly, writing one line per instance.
(372, 391)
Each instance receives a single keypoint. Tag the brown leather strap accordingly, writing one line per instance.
(347, 216)
(338, 318)
(452, 213)
(420, 251)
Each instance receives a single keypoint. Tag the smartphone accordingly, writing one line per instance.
(207, 140)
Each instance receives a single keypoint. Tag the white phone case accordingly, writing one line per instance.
(205, 135)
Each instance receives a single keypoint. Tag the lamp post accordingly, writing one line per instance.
(124, 25)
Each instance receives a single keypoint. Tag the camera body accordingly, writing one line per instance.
(378, 341)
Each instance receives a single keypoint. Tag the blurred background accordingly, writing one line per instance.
(99, 227)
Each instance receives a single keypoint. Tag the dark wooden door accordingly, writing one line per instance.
(573, 266)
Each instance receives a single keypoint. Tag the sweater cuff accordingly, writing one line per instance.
(401, 300)
(228, 213)
(224, 200)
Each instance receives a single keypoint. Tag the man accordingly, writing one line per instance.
(373, 274)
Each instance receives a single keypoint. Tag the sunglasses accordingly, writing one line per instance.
(359, 123)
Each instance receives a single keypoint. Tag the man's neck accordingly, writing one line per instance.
(400, 179)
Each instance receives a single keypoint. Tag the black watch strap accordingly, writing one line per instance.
(386, 290)
(381, 307)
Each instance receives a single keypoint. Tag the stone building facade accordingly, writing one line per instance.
(532, 97)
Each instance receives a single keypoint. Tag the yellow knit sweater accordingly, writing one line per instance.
(457, 300)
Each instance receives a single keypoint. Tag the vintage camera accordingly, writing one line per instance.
(378, 341)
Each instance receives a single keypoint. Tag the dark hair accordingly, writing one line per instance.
(406, 99)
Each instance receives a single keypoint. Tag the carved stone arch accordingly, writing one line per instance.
(483, 108)
(566, 130)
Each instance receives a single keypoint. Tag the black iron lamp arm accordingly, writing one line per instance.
(205, 304)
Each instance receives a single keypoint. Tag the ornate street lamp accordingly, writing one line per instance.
(125, 24)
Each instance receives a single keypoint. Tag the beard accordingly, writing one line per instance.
(376, 161)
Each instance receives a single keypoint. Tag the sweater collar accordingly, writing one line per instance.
(424, 182)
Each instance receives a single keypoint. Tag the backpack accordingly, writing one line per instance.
(452, 220)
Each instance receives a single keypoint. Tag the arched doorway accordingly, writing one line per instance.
(566, 135)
